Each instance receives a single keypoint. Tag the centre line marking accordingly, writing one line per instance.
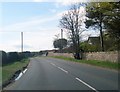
(86, 84)
(60, 68)
(53, 64)
(63, 70)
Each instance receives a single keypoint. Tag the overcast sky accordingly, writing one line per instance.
(37, 19)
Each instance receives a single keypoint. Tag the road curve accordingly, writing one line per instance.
(54, 74)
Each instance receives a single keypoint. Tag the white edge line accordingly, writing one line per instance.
(86, 84)
(20, 75)
(24, 70)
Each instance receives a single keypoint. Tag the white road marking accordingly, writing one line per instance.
(60, 68)
(86, 84)
(24, 70)
(53, 64)
(63, 70)
(76, 78)
(20, 75)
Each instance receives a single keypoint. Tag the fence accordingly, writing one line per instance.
(103, 56)
(61, 54)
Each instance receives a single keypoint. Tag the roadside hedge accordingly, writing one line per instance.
(13, 56)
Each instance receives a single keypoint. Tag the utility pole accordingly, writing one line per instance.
(21, 41)
(61, 38)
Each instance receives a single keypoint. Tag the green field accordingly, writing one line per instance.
(104, 64)
(9, 69)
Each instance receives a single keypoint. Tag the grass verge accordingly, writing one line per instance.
(0, 77)
(9, 69)
(104, 64)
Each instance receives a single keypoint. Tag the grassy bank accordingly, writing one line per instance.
(0, 76)
(9, 69)
(104, 64)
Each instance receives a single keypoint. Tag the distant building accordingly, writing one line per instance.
(94, 40)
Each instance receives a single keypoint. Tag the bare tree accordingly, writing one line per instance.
(72, 21)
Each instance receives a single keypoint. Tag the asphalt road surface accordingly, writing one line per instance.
(54, 74)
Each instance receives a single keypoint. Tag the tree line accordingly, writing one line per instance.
(98, 15)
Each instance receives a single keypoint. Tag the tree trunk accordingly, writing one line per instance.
(77, 47)
(101, 39)
(118, 47)
(101, 34)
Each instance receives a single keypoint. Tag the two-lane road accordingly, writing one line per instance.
(54, 74)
